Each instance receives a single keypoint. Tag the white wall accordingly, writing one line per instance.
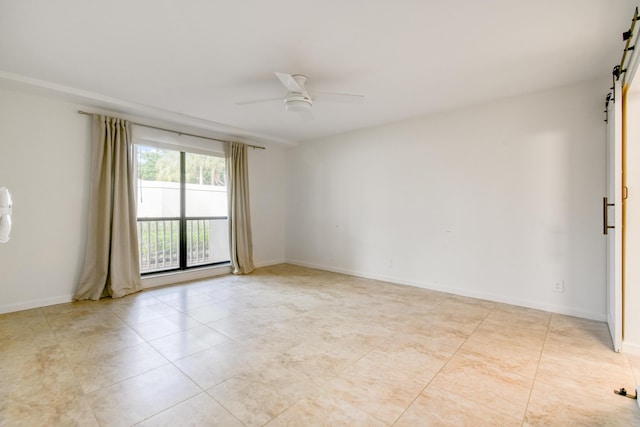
(44, 161)
(267, 190)
(498, 201)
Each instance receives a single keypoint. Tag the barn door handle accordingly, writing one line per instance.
(605, 215)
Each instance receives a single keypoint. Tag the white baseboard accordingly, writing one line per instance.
(148, 282)
(179, 277)
(175, 277)
(37, 303)
(569, 311)
(259, 264)
(630, 347)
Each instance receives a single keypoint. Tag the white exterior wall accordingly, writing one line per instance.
(160, 198)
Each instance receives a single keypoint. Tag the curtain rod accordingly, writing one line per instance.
(179, 133)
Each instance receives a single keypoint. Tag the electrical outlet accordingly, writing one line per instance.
(558, 286)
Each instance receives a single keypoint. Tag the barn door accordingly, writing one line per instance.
(612, 218)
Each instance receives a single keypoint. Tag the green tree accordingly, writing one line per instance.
(164, 165)
(203, 169)
(168, 166)
(147, 159)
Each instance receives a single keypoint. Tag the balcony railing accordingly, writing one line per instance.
(206, 238)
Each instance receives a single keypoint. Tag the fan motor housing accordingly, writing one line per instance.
(297, 102)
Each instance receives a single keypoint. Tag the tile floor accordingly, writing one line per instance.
(290, 346)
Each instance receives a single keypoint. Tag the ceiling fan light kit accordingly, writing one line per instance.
(298, 99)
(297, 103)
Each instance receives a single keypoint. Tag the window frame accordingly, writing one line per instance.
(192, 146)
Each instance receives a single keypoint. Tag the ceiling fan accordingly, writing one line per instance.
(298, 97)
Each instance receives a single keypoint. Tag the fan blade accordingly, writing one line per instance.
(338, 97)
(258, 101)
(289, 82)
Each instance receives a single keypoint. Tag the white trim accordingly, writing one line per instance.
(569, 311)
(101, 104)
(175, 277)
(171, 278)
(632, 348)
(170, 141)
(148, 282)
(147, 142)
(609, 320)
(37, 303)
(269, 263)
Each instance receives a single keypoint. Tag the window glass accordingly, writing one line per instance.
(206, 189)
(169, 240)
(158, 186)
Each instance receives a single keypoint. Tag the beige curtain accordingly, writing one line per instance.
(111, 265)
(240, 245)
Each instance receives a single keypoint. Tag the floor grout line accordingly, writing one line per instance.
(535, 375)
(443, 365)
(301, 296)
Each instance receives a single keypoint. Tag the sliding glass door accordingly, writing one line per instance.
(181, 209)
(207, 231)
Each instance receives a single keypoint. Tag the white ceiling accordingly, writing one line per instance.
(197, 58)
